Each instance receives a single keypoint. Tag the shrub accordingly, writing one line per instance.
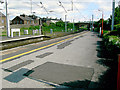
(112, 45)
(45, 25)
(31, 28)
(114, 33)
(37, 27)
(117, 27)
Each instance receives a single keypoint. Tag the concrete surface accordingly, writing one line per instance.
(4, 39)
(81, 52)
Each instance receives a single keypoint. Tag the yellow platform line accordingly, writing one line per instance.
(38, 48)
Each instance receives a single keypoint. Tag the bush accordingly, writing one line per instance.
(112, 45)
(60, 24)
(37, 27)
(114, 33)
(114, 40)
(117, 27)
(82, 28)
(45, 25)
(96, 30)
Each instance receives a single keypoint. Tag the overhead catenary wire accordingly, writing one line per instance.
(62, 6)
(92, 2)
(79, 12)
(44, 7)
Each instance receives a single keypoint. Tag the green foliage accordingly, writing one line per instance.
(24, 28)
(29, 29)
(107, 23)
(96, 30)
(117, 27)
(52, 25)
(57, 27)
(116, 19)
(111, 45)
(70, 25)
(117, 15)
(114, 40)
(45, 25)
(105, 32)
(114, 33)
(82, 28)
(60, 24)
(37, 27)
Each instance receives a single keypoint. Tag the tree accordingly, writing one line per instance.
(116, 16)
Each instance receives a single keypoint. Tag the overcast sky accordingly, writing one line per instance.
(82, 9)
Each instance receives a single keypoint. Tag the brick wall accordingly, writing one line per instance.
(3, 21)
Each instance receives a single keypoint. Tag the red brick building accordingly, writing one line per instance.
(2, 20)
(26, 20)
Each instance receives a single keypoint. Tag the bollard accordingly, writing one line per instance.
(118, 77)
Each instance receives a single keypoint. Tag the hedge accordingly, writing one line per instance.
(113, 40)
(117, 27)
(111, 45)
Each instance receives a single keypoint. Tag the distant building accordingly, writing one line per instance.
(50, 20)
(32, 20)
(26, 20)
(2, 20)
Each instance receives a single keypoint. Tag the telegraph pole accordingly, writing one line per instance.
(7, 20)
(40, 30)
(72, 5)
(113, 11)
(65, 23)
(65, 15)
(73, 25)
(92, 22)
(31, 6)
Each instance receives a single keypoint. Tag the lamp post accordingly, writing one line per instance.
(65, 23)
(65, 15)
(7, 20)
(113, 11)
(73, 25)
(102, 22)
(92, 23)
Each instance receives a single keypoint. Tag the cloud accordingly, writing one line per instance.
(80, 13)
